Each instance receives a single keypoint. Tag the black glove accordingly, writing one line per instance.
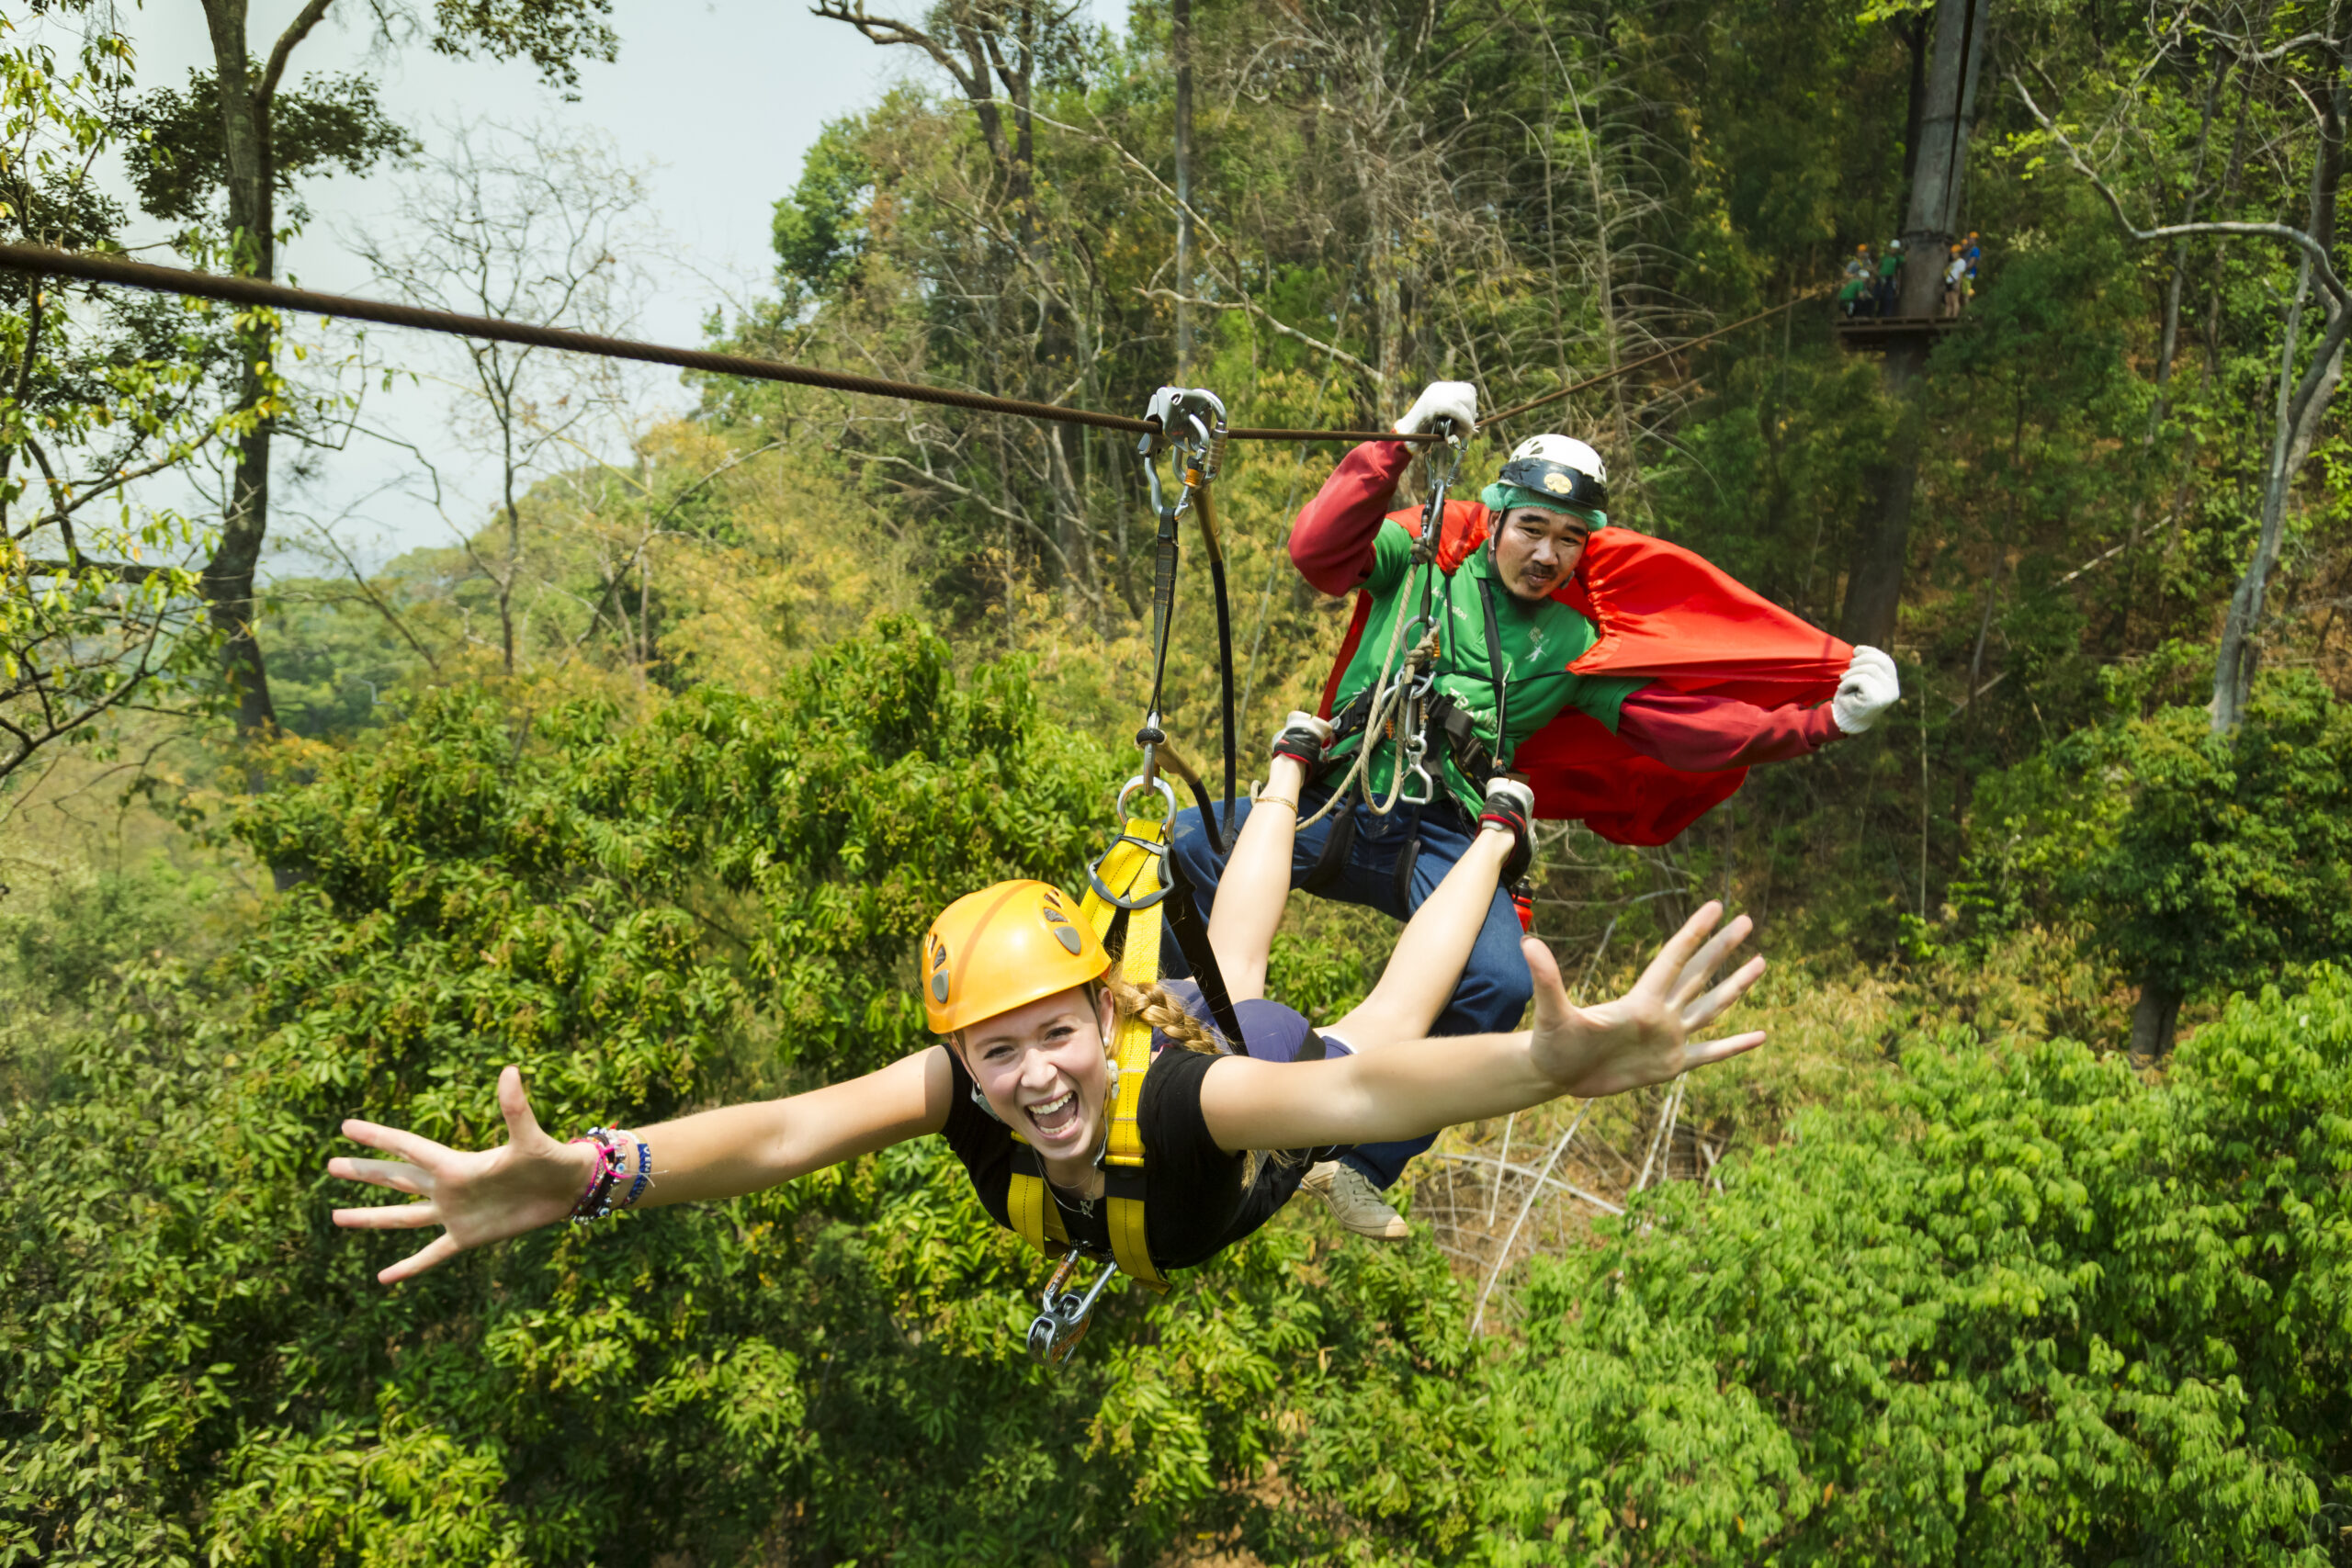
(1303, 735)
(1512, 805)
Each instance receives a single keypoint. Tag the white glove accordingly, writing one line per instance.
(1868, 689)
(1457, 401)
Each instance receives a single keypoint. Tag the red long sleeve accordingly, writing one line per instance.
(1331, 542)
(1702, 734)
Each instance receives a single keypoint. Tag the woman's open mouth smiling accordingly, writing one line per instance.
(1055, 1117)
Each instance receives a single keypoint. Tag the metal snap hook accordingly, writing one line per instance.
(1056, 1329)
(1127, 792)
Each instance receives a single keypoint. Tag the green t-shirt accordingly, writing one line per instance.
(1540, 641)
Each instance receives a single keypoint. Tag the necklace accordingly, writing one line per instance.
(1085, 1205)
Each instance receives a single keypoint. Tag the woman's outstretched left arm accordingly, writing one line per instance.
(1418, 1086)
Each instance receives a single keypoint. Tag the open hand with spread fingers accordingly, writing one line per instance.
(477, 1198)
(1644, 1036)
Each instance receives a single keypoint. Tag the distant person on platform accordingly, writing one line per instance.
(1975, 253)
(1854, 300)
(1955, 282)
(1581, 673)
(1889, 274)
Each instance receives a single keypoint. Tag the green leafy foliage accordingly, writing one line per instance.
(554, 36)
(2209, 861)
(98, 605)
(2042, 1313)
(719, 903)
(819, 228)
(329, 124)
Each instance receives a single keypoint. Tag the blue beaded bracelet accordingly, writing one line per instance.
(644, 1174)
(611, 1144)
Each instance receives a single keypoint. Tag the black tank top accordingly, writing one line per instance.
(1195, 1203)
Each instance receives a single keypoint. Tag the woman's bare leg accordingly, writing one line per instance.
(1427, 965)
(1256, 884)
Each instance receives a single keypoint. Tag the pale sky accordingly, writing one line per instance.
(716, 103)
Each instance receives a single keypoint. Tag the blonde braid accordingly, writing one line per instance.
(1165, 1013)
(1155, 1006)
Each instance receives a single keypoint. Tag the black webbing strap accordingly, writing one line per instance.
(1193, 940)
(1224, 666)
(1494, 667)
(1407, 859)
(1452, 726)
(1337, 845)
(1166, 551)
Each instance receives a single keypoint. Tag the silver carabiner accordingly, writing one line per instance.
(1054, 1332)
(1095, 867)
(1428, 785)
(1191, 420)
(1127, 792)
(1425, 546)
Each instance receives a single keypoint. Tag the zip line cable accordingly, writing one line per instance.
(122, 272)
(255, 291)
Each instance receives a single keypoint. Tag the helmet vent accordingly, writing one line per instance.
(938, 970)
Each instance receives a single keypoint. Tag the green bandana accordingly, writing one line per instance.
(1500, 498)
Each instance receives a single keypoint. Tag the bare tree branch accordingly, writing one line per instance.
(2323, 264)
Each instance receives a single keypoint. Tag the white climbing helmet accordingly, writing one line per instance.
(1559, 465)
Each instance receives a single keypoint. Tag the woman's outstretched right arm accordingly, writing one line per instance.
(533, 1179)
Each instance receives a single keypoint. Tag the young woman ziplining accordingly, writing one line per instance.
(1027, 1014)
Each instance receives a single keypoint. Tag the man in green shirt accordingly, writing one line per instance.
(1381, 828)
(1538, 639)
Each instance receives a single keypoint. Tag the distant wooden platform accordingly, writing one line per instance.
(1885, 331)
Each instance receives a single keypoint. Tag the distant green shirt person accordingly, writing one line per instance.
(1540, 641)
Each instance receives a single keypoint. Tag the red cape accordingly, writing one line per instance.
(1663, 613)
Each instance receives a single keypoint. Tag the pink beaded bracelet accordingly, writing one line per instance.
(611, 1145)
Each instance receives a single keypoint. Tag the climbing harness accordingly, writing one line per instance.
(1397, 705)
(1127, 890)
(1128, 901)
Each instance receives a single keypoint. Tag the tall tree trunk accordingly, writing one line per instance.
(2168, 346)
(2154, 1019)
(1939, 165)
(1180, 44)
(1605, 265)
(2295, 424)
(1387, 299)
(1915, 39)
(228, 577)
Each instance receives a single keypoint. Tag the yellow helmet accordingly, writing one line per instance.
(1001, 948)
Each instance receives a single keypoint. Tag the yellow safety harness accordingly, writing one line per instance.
(1132, 870)
(1127, 902)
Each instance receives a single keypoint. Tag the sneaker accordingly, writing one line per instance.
(1352, 1199)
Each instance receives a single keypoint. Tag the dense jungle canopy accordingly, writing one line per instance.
(2028, 1240)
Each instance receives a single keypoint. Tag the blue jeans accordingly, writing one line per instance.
(1495, 988)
